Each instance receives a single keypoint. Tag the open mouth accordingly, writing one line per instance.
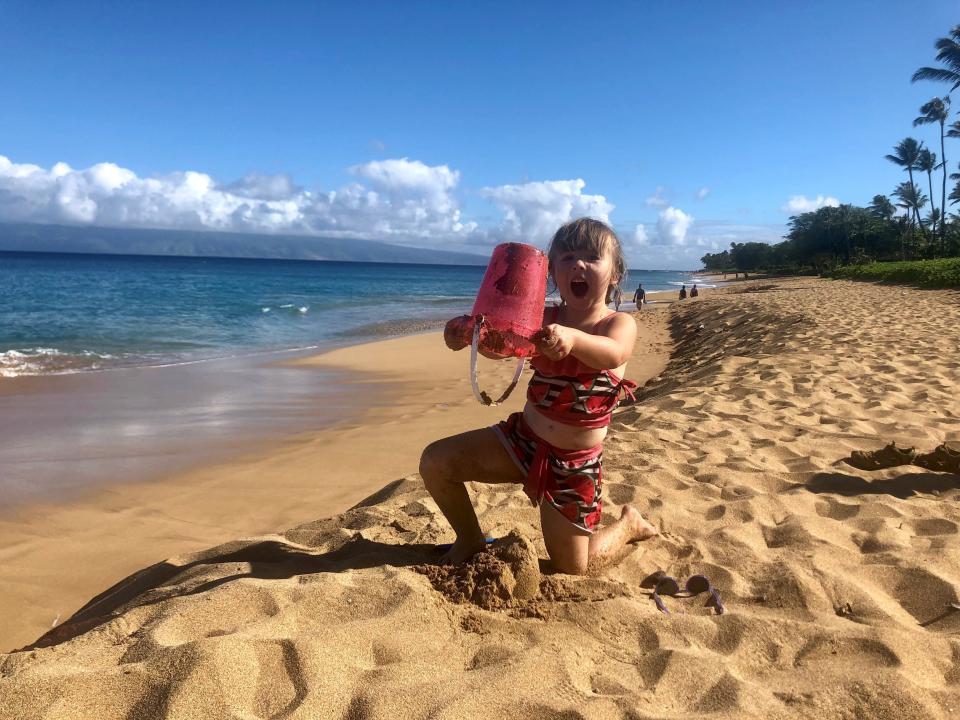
(579, 288)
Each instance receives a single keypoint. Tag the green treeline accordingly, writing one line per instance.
(830, 237)
(861, 239)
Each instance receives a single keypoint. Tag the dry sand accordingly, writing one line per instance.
(837, 582)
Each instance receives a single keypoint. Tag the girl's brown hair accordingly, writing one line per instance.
(598, 237)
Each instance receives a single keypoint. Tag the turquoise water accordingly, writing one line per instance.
(72, 313)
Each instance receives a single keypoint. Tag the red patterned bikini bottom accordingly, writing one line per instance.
(570, 480)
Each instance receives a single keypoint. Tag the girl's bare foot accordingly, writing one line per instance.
(462, 550)
(639, 527)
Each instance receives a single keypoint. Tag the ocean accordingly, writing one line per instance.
(137, 367)
(69, 313)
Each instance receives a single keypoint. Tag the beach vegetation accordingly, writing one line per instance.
(940, 273)
(889, 239)
(882, 208)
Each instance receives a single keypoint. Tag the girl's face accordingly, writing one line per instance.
(583, 276)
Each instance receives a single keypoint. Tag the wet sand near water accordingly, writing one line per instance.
(61, 435)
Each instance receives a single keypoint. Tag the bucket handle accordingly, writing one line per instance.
(481, 395)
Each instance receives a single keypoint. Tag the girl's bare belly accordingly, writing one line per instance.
(568, 437)
(559, 435)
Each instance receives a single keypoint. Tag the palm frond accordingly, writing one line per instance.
(905, 153)
(926, 160)
(934, 111)
(948, 52)
(938, 75)
(954, 196)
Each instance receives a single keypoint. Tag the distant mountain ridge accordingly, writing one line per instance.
(25, 237)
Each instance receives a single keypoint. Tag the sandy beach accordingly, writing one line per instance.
(319, 597)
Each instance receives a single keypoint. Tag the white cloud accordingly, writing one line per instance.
(533, 211)
(702, 193)
(403, 199)
(657, 199)
(406, 180)
(640, 237)
(701, 237)
(264, 187)
(396, 200)
(801, 204)
(672, 226)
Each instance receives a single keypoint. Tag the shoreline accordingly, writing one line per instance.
(407, 391)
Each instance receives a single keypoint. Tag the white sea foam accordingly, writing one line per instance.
(48, 361)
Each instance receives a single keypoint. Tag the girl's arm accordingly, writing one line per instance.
(605, 351)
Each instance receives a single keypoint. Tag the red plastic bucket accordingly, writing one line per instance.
(509, 304)
(507, 313)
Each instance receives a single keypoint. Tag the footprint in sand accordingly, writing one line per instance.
(933, 526)
(845, 655)
(836, 510)
(620, 493)
(926, 596)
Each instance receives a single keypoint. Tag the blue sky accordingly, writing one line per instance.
(457, 126)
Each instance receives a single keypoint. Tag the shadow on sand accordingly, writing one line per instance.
(270, 559)
(902, 486)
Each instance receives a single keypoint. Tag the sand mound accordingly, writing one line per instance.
(838, 583)
(507, 573)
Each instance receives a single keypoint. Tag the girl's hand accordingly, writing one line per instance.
(555, 341)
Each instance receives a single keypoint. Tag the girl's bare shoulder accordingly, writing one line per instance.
(616, 323)
(617, 318)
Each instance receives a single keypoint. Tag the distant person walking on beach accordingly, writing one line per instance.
(693, 291)
(683, 292)
(640, 296)
(554, 446)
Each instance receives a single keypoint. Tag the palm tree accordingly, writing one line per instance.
(881, 207)
(906, 155)
(927, 162)
(910, 199)
(948, 52)
(937, 111)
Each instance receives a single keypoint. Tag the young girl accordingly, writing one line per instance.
(554, 447)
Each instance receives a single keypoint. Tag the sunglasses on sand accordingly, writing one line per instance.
(695, 585)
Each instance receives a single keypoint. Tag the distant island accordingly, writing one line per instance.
(22, 237)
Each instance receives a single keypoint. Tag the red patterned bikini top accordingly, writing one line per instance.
(575, 394)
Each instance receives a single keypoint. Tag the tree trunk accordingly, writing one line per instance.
(932, 206)
(916, 208)
(943, 197)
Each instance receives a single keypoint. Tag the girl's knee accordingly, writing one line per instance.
(433, 461)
